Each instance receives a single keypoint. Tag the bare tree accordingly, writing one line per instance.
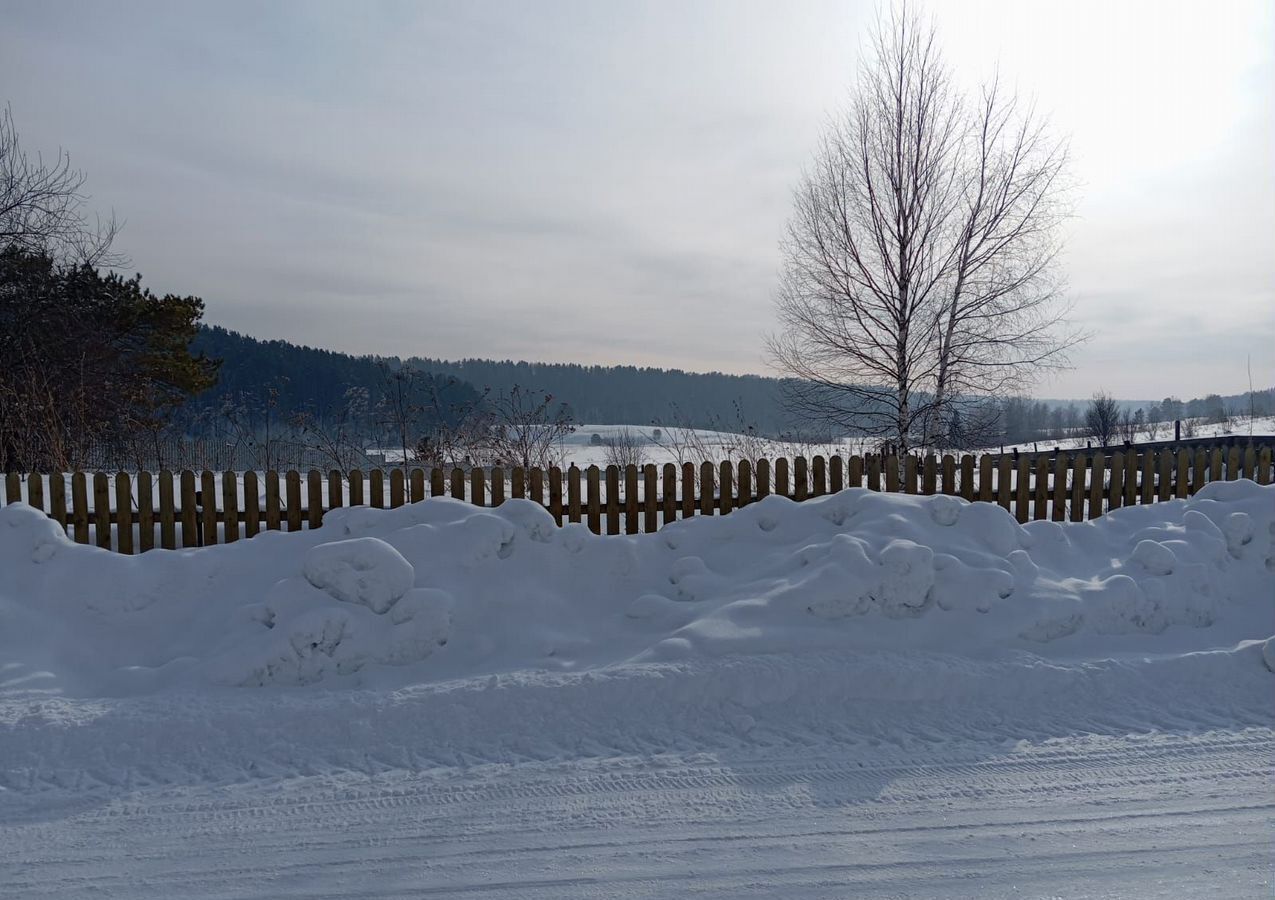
(919, 260)
(42, 205)
(1102, 418)
(524, 428)
(625, 448)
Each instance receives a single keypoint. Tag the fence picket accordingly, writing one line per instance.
(80, 507)
(458, 483)
(744, 480)
(836, 473)
(1183, 486)
(356, 488)
(929, 475)
(123, 514)
(726, 481)
(763, 478)
(1022, 494)
(555, 493)
(273, 518)
(891, 466)
(292, 487)
(1148, 476)
(1233, 464)
(1004, 477)
(1059, 489)
(398, 489)
(536, 486)
(477, 486)
(498, 486)
(706, 489)
(949, 474)
(573, 492)
(336, 489)
(438, 481)
(688, 490)
(650, 499)
(781, 488)
(35, 490)
(967, 476)
(415, 486)
(631, 499)
(1040, 499)
(1264, 466)
(986, 474)
(669, 488)
(167, 510)
(594, 493)
(1115, 494)
(251, 505)
(375, 487)
(1078, 465)
(854, 472)
(613, 500)
(208, 508)
(909, 474)
(1097, 475)
(819, 476)
(57, 498)
(145, 512)
(314, 495)
(800, 479)
(230, 505)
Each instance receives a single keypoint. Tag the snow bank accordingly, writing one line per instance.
(444, 590)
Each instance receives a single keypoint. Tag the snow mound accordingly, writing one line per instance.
(442, 590)
(365, 570)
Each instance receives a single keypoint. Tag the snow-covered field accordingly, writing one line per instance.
(864, 695)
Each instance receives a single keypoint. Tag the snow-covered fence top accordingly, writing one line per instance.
(134, 512)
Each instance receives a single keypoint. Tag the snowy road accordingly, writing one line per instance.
(1187, 815)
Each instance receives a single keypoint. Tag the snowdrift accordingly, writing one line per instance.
(443, 590)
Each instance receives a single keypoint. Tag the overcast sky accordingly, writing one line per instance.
(607, 182)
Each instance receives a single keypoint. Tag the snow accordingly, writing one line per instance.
(860, 695)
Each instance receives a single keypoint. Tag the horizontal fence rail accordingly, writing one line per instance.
(135, 512)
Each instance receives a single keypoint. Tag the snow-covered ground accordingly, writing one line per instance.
(861, 695)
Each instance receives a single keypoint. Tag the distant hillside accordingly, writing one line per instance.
(316, 380)
(618, 395)
(294, 378)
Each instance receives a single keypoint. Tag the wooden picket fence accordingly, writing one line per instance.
(135, 512)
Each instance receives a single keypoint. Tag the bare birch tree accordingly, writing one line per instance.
(919, 263)
(42, 205)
